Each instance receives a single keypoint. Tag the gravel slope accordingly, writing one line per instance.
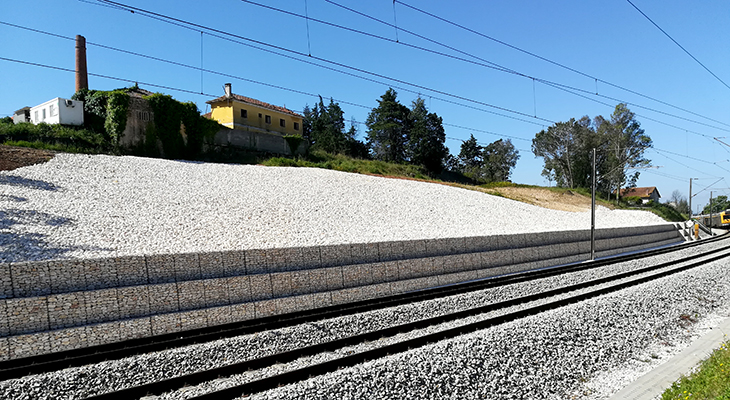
(81, 206)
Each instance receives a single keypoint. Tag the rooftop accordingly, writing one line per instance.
(255, 102)
(643, 192)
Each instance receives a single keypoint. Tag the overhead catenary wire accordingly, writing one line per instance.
(178, 21)
(232, 76)
(107, 77)
(494, 65)
(473, 31)
(88, 43)
(219, 33)
(677, 43)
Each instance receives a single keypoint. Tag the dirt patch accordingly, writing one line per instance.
(563, 201)
(15, 157)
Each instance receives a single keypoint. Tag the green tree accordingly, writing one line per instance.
(325, 128)
(355, 148)
(719, 203)
(624, 143)
(470, 156)
(426, 138)
(566, 151)
(388, 129)
(499, 159)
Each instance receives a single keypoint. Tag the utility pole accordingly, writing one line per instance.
(593, 209)
(690, 199)
(711, 207)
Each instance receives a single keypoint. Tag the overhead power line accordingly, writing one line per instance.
(596, 79)
(223, 74)
(198, 27)
(88, 43)
(677, 43)
(483, 63)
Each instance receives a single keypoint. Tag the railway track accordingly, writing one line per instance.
(89, 355)
(547, 301)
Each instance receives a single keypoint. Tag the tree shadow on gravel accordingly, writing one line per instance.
(12, 180)
(26, 246)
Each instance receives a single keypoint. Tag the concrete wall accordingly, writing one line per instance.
(249, 138)
(65, 304)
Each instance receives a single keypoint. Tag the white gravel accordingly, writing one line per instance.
(81, 206)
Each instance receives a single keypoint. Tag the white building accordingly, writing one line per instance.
(58, 111)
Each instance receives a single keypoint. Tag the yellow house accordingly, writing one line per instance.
(247, 114)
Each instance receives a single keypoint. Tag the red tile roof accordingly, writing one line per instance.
(642, 192)
(256, 103)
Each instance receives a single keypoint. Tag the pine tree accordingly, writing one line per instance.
(388, 128)
(426, 138)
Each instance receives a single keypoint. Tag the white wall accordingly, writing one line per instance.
(58, 111)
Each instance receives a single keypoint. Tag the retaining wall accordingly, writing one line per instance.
(65, 304)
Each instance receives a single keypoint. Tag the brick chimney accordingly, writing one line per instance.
(82, 76)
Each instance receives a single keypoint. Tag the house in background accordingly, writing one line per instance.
(58, 111)
(646, 194)
(22, 115)
(254, 124)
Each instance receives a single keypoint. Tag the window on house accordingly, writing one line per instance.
(268, 119)
(259, 115)
(36, 116)
(44, 114)
(244, 113)
(282, 123)
(52, 110)
(296, 126)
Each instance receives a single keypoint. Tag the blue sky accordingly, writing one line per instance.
(607, 40)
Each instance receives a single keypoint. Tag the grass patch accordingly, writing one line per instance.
(63, 148)
(339, 162)
(711, 381)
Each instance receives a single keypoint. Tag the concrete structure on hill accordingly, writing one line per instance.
(58, 111)
(254, 124)
(646, 194)
(140, 118)
(22, 115)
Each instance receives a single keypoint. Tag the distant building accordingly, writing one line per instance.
(253, 124)
(244, 113)
(22, 115)
(646, 194)
(58, 111)
(139, 118)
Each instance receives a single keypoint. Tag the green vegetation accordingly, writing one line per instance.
(711, 381)
(53, 137)
(105, 112)
(491, 163)
(667, 212)
(341, 162)
(718, 204)
(566, 148)
(293, 141)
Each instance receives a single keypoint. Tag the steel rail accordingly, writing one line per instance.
(347, 361)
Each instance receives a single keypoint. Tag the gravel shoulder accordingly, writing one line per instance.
(83, 206)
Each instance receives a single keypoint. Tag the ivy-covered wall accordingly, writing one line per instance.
(105, 112)
(175, 129)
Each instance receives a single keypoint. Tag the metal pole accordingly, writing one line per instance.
(593, 210)
(690, 199)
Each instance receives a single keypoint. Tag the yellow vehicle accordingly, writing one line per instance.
(719, 220)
